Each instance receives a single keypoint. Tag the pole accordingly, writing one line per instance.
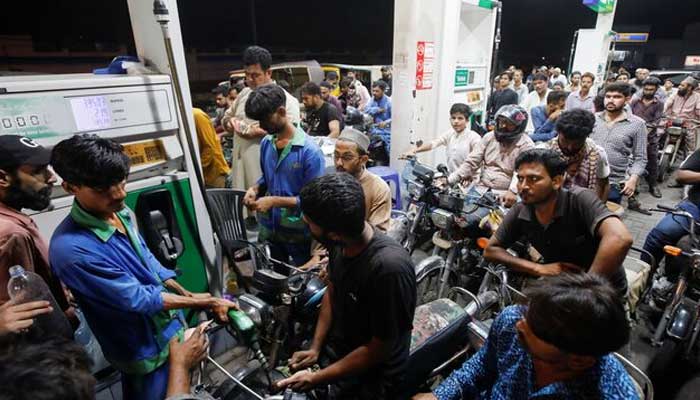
(571, 54)
(496, 41)
(160, 11)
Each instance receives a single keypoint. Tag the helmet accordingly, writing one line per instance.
(511, 121)
(353, 117)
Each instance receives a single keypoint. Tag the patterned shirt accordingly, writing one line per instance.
(503, 369)
(622, 139)
(576, 101)
(496, 161)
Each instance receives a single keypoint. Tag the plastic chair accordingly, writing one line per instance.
(390, 176)
(643, 384)
(229, 222)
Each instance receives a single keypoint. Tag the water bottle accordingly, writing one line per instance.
(25, 286)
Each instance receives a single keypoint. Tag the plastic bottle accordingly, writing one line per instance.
(25, 286)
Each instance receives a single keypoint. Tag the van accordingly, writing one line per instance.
(295, 73)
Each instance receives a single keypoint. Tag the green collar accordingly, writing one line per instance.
(99, 227)
(299, 139)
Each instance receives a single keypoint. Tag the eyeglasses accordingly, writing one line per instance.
(344, 157)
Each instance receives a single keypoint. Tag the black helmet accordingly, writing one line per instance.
(353, 117)
(513, 114)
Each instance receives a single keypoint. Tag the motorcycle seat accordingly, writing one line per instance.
(440, 330)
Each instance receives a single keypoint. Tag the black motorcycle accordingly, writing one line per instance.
(677, 333)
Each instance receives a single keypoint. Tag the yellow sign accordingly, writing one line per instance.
(148, 152)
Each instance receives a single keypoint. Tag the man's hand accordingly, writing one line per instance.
(554, 115)
(16, 317)
(220, 308)
(424, 396)
(407, 154)
(557, 268)
(509, 198)
(303, 359)
(381, 124)
(249, 198)
(264, 204)
(630, 186)
(301, 381)
(189, 353)
(256, 132)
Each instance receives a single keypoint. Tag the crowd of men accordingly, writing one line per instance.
(554, 151)
(629, 115)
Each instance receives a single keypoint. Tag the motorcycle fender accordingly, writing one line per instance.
(429, 264)
(681, 322)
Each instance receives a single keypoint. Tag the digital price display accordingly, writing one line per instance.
(91, 113)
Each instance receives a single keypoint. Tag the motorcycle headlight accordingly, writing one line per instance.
(259, 311)
(442, 219)
(415, 189)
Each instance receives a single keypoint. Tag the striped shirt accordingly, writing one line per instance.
(623, 139)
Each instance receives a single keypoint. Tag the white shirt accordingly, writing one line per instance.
(459, 145)
(531, 101)
(522, 92)
(561, 78)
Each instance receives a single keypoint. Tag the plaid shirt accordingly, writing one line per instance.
(622, 139)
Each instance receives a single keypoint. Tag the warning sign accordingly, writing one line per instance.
(425, 65)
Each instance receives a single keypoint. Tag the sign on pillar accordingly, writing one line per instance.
(600, 6)
(425, 65)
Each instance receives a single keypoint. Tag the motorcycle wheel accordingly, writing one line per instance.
(427, 287)
(664, 167)
(664, 358)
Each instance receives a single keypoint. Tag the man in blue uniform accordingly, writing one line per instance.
(129, 299)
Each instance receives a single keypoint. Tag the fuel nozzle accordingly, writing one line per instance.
(245, 328)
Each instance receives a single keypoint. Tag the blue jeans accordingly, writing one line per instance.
(615, 194)
(669, 231)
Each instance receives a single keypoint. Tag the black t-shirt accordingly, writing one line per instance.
(569, 237)
(374, 295)
(500, 98)
(693, 164)
(317, 120)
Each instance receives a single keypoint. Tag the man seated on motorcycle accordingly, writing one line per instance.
(380, 109)
(685, 104)
(558, 346)
(495, 155)
(572, 229)
(586, 162)
(671, 229)
(367, 311)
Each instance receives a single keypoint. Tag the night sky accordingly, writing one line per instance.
(531, 28)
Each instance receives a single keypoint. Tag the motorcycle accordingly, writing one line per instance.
(423, 194)
(672, 141)
(677, 333)
(459, 243)
(378, 150)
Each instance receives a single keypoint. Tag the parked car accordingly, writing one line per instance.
(675, 75)
(295, 73)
